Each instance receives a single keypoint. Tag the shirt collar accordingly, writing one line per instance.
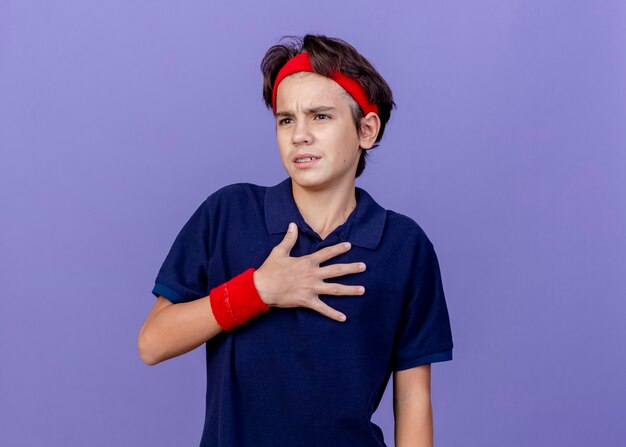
(366, 227)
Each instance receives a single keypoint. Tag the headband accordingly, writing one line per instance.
(301, 62)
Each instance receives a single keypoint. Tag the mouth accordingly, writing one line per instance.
(305, 160)
(304, 155)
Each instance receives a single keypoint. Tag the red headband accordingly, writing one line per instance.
(301, 62)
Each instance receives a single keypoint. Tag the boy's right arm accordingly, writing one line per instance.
(171, 329)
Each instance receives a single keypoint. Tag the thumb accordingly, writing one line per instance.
(290, 238)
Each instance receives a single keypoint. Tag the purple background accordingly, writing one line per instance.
(118, 118)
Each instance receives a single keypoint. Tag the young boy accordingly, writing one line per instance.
(292, 358)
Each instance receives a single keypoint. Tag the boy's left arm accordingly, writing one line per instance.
(412, 407)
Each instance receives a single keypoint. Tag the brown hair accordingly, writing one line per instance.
(328, 54)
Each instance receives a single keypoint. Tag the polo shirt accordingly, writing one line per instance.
(292, 376)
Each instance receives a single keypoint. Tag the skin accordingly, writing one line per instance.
(325, 192)
(412, 407)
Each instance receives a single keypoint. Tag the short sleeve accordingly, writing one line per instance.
(424, 334)
(183, 274)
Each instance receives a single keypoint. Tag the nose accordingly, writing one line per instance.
(301, 132)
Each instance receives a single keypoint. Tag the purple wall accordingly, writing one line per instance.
(508, 146)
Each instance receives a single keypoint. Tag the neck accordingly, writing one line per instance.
(325, 209)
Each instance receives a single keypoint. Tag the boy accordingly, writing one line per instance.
(292, 359)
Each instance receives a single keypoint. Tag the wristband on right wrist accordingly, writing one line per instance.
(236, 301)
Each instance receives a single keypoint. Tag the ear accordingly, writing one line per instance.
(370, 126)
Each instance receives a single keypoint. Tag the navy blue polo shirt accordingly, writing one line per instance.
(292, 376)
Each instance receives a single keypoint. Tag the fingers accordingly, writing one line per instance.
(334, 270)
(323, 308)
(329, 252)
(340, 289)
(291, 236)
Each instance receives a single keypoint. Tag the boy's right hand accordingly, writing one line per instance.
(285, 281)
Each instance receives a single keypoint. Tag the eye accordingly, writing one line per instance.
(280, 122)
(321, 114)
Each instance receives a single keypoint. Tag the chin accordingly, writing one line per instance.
(313, 182)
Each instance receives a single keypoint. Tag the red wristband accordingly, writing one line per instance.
(236, 301)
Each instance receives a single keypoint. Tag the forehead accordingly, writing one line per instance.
(307, 89)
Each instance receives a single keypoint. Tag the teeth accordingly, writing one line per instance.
(301, 160)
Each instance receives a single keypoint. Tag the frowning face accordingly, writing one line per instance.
(313, 117)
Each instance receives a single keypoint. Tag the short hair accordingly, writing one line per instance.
(328, 54)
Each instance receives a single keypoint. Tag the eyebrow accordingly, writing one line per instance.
(307, 111)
